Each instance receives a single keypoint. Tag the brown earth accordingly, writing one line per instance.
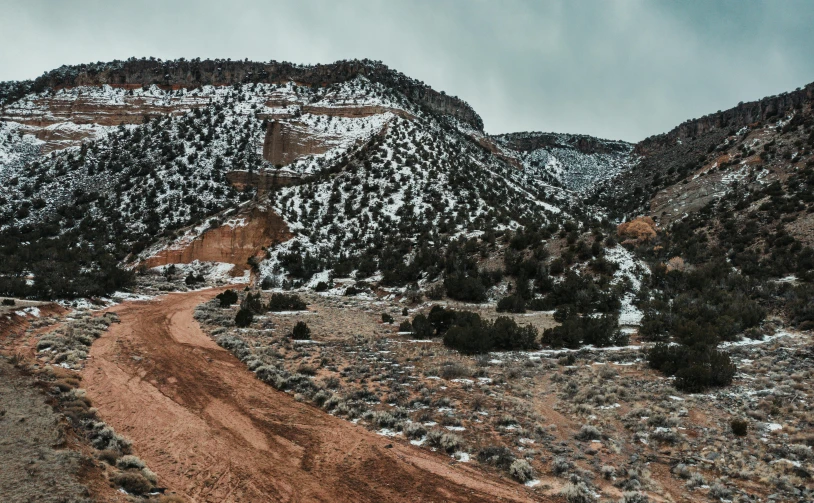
(233, 244)
(213, 432)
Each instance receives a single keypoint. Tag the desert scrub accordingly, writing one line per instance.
(448, 442)
(521, 470)
(577, 493)
(69, 345)
(588, 432)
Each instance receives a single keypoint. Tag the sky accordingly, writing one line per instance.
(613, 69)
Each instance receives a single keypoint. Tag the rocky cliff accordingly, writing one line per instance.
(194, 73)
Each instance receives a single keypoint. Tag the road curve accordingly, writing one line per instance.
(215, 433)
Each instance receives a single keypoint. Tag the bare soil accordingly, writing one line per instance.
(214, 432)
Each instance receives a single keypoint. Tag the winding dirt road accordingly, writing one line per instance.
(215, 433)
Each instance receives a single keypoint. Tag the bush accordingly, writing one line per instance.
(441, 319)
(192, 279)
(469, 335)
(321, 286)
(286, 302)
(739, 427)
(227, 298)
(695, 368)
(577, 493)
(244, 318)
(386, 318)
(132, 482)
(521, 470)
(301, 331)
(421, 327)
(511, 304)
(472, 335)
(588, 432)
(576, 330)
(498, 456)
(405, 326)
(130, 461)
(465, 288)
(9, 302)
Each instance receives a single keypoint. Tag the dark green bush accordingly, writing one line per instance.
(243, 318)
(578, 330)
(695, 368)
(301, 331)
(422, 329)
(511, 304)
(286, 302)
(227, 298)
(470, 334)
(739, 427)
(386, 318)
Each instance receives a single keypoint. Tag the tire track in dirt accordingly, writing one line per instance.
(215, 433)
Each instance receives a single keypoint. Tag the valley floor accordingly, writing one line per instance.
(213, 432)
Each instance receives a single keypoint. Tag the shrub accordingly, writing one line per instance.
(9, 302)
(321, 286)
(739, 427)
(108, 456)
(414, 430)
(577, 493)
(301, 331)
(577, 330)
(441, 319)
(405, 326)
(436, 292)
(588, 432)
(132, 482)
(465, 288)
(511, 304)
(244, 318)
(498, 456)
(421, 327)
(634, 497)
(472, 335)
(192, 279)
(695, 368)
(386, 318)
(130, 461)
(521, 470)
(227, 298)
(286, 302)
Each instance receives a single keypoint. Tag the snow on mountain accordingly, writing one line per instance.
(574, 162)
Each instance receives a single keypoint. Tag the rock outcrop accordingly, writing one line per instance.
(242, 237)
(194, 73)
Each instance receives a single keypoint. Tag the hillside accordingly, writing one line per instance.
(578, 318)
(574, 162)
(111, 157)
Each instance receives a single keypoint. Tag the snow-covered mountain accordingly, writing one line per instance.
(365, 166)
(574, 162)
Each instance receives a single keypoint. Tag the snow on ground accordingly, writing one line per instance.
(630, 269)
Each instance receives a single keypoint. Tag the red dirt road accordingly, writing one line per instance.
(213, 432)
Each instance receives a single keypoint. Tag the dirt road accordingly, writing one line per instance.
(213, 432)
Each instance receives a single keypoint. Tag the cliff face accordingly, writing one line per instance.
(740, 116)
(575, 162)
(526, 142)
(194, 73)
(233, 243)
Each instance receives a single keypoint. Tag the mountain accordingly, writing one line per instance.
(574, 162)
(136, 160)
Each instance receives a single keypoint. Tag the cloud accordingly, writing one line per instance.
(622, 70)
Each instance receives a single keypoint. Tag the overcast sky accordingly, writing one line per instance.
(619, 70)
